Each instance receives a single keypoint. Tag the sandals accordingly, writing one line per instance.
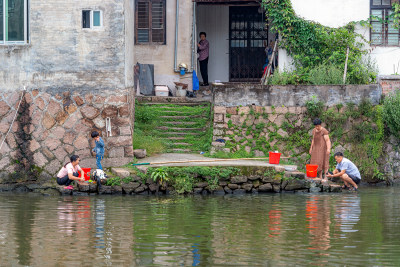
(353, 189)
(344, 187)
(70, 187)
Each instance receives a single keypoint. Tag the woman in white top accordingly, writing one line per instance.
(70, 172)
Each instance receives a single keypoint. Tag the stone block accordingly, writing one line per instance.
(53, 167)
(100, 99)
(69, 149)
(130, 187)
(140, 153)
(218, 132)
(125, 130)
(4, 162)
(81, 142)
(116, 152)
(60, 153)
(296, 184)
(10, 139)
(90, 112)
(58, 132)
(282, 133)
(39, 102)
(33, 145)
(4, 127)
(53, 143)
(70, 108)
(272, 117)
(99, 122)
(117, 99)
(232, 110)
(238, 179)
(217, 144)
(233, 186)
(247, 187)
(265, 188)
(53, 107)
(69, 138)
(140, 189)
(89, 98)
(244, 110)
(258, 153)
(48, 121)
(28, 98)
(124, 111)
(279, 120)
(218, 118)
(35, 92)
(281, 110)
(128, 151)
(201, 184)
(227, 190)
(122, 173)
(239, 192)
(78, 100)
(219, 109)
(48, 153)
(39, 159)
(110, 112)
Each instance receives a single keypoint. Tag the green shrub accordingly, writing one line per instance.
(314, 107)
(391, 112)
(326, 74)
(153, 145)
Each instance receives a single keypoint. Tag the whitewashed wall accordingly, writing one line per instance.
(214, 20)
(336, 13)
(162, 56)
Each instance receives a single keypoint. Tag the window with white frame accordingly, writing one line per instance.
(14, 21)
(383, 30)
(92, 19)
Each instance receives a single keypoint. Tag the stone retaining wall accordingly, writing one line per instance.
(234, 94)
(251, 180)
(52, 125)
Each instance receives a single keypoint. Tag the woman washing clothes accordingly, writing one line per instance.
(70, 172)
(320, 148)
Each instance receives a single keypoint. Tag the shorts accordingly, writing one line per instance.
(354, 178)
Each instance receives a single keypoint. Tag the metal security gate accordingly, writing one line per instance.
(247, 33)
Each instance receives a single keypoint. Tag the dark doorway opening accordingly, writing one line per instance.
(247, 33)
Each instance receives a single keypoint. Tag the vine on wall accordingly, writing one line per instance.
(313, 45)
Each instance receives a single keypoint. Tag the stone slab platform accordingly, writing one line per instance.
(169, 157)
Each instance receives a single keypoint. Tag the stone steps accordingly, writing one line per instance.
(179, 133)
(180, 117)
(180, 129)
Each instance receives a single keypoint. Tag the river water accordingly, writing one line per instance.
(361, 229)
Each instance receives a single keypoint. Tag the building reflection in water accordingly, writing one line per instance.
(348, 214)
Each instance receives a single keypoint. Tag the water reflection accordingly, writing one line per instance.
(276, 230)
(348, 214)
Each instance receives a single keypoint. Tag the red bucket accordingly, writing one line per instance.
(274, 157)
(311, 170)
(86, 173)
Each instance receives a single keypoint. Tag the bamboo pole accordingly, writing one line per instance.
(345, 65)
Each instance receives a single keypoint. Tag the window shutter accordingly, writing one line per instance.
(143, 35)
(157, 21)
(377, 24)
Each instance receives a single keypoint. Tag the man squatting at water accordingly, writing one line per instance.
(347, 171)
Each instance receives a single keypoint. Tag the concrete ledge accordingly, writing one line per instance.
(230, 95)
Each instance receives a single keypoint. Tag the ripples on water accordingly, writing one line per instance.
(265, 230)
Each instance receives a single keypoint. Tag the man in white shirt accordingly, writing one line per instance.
(347, 171)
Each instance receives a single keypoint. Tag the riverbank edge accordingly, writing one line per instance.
(249, 180)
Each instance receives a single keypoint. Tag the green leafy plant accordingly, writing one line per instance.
(314, 107)
(391, 112)
(159, 175)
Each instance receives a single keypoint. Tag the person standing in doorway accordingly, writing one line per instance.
(203, 51)
(320, 148)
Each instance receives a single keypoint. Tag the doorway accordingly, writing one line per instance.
(247, 33)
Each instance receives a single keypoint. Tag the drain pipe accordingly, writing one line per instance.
(176, 39)
(176, 36)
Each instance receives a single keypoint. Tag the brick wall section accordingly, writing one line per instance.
(57, 126)
(389, 83)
